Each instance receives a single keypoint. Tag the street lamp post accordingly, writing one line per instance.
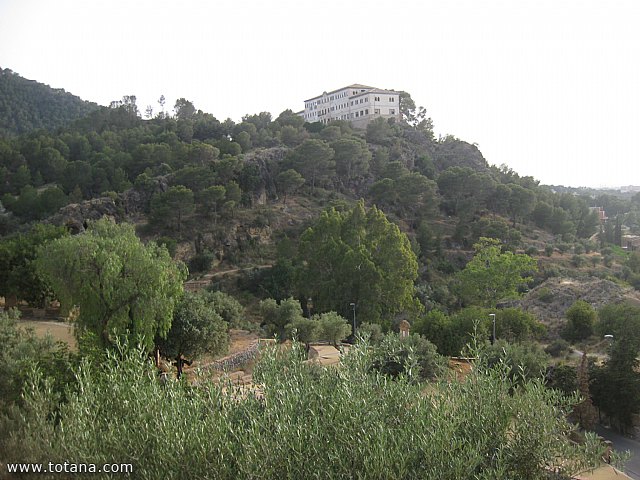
(493, 334)
(353, 306)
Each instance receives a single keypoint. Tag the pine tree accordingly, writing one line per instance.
(585, 411)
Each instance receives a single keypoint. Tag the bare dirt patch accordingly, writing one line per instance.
(59, 331)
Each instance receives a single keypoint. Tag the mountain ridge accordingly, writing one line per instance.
(27, 105)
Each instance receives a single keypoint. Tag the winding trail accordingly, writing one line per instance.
(207, 278)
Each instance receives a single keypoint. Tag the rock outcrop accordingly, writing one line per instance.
(123, 206)
(76, 216)
(550, 300)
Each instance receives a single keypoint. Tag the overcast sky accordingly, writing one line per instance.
(550, 88)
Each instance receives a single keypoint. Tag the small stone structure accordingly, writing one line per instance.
(405, 326)
(236, 360)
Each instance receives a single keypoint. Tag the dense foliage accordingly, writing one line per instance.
(121, 286)
(402, 212)
(452, 333)
(27, 105)
(18, 276)
(197, 328)
(22, 352)
(357, 257)
(312, 422)
(581, 318)
(492, 275)
(616, 385)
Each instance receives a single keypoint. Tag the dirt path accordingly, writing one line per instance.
(235, 270)
(204, 281)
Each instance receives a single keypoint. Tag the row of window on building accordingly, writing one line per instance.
(314, 105)
(349, 116)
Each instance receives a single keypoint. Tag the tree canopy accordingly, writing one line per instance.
(18, 275)
(360, 257)
(197, 328)
(121, 286)
(492, 275)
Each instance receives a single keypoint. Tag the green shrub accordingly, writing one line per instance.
(370, 331)
(558, 348)
(170, 244)
(581, 319)
(531, 251)
(578, 261)
(22, 351)
(564, 378)
(201, 262)
(515, 325)
(545, 295)
(413, 355)
(349, 422)
(607, 260)
(524, 360)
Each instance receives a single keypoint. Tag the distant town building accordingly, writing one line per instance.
(631, 243)
(602, 216)
(358, 104)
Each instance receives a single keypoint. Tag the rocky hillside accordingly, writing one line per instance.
(550, 300)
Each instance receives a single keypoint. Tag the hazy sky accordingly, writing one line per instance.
(550, 88)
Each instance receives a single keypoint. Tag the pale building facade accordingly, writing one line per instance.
(358, 104)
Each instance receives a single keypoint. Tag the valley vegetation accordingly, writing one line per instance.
(323, 228)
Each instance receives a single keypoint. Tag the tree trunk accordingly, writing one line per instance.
(179, 365)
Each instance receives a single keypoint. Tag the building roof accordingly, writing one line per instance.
(377, 90)
(353, 85)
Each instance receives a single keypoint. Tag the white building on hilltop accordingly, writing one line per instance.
(358, 104)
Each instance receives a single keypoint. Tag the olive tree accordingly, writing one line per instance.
(197, 329)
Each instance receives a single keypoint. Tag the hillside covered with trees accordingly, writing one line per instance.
(27, 105)
(310, 233)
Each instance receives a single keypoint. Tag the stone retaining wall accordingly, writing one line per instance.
(237, 360)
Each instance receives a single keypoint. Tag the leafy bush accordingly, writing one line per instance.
(170, 244)
(413, 356)
(524, 360)
(563, 378)
(21, 352)
(201, 262)
(197, 328)
(229, 309)
(545, 295)
(305, 330)
(581, 318)
(552, 271)
(349, 422)
(548, 250)
(370, 331)
(515, 325)
(578, 261)
(332, 327)
(558, 348)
